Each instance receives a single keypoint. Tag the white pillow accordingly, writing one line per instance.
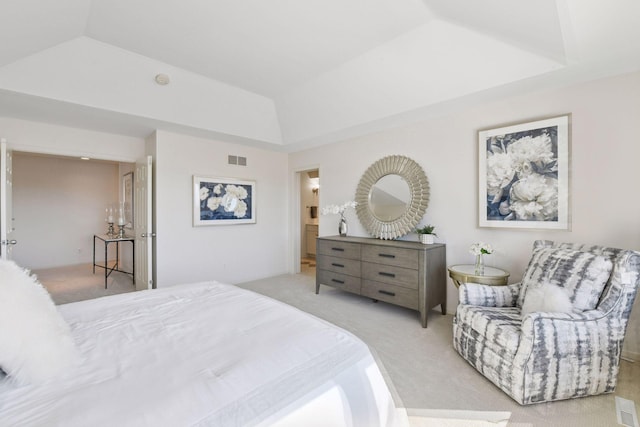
(583, 275)
(546, 298)
(35, 341)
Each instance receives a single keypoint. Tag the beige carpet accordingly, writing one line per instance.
(78, 283)
(443, 418)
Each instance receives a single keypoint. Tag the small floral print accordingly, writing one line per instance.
(223, 201)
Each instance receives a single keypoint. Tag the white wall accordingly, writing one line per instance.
(37, 137)
(604, 169)
(227, 253)
(58, 205)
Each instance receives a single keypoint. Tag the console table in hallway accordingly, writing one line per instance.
(107, 239)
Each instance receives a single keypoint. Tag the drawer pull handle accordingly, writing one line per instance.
(338, 281)
(387, 255)
(338, 249)
(382, 273)
(335, 264)
(391, 294)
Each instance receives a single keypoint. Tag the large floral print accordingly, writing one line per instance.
(522, 176)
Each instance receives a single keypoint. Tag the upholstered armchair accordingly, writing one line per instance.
(546, 356)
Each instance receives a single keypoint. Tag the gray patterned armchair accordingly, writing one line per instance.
(547, 356)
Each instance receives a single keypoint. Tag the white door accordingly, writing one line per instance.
(143, 224)
(6, 214)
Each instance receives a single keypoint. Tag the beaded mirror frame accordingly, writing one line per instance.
(415, 209)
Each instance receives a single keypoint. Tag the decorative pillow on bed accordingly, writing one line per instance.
(548, 298)
(583, 275)
(35, 341)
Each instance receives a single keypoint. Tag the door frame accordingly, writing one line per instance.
(6, 208)
(296, 215)
(55, 151)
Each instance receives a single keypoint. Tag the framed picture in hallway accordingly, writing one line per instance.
(223, 201)
(524, 175)
(127, 194)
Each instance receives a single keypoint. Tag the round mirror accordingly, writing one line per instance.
(389, 197)
(392, 197)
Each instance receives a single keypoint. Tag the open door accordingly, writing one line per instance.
(6, 213)
(143, 224)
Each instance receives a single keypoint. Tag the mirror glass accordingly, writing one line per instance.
(389, 197)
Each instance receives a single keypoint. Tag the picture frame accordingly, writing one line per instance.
(223, 201)
(523, 175)
(127, 197)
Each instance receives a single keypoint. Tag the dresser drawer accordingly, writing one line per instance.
(340, 281)
(405, 277)
(339, 265)
(400, 257)
(389, 293)
(339, 249)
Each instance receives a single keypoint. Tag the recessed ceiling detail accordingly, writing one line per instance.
(289, 74)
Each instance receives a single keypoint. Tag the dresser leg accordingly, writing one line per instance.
(317, 288)
(443, 308)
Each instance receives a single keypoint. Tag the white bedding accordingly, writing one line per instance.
(204, 354)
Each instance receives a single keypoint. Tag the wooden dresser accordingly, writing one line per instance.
(408, 274)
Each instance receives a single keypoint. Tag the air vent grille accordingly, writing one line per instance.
(626, 411)
(237, 160)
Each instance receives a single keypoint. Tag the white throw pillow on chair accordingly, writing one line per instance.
(546, 297)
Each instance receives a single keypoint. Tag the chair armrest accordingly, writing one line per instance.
(573, 335)
(566, 355)
(488, 296)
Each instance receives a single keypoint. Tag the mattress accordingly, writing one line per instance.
(204, 354)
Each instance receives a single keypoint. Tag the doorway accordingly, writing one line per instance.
(59, 203)
(309, 219)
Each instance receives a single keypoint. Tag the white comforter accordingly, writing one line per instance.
(204, 354)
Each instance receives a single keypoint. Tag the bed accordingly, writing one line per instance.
(203, 354)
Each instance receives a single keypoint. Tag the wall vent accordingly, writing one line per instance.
(626, 411)
(237, 160)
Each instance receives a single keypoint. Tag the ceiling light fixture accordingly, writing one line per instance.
(162, 79)
(85, 158)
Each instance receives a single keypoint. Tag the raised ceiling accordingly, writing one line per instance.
(289, 73)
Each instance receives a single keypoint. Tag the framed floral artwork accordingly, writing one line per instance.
(127, 195)
(223, 201)
(524, 175)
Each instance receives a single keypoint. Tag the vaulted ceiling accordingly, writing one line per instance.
(293, 73)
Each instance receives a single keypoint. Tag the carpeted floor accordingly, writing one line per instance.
(78, 283)
(444, 418)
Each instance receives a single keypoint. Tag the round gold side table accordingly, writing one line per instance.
(465, 273)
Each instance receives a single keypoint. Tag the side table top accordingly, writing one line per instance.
(466, 273)
(114, 238)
